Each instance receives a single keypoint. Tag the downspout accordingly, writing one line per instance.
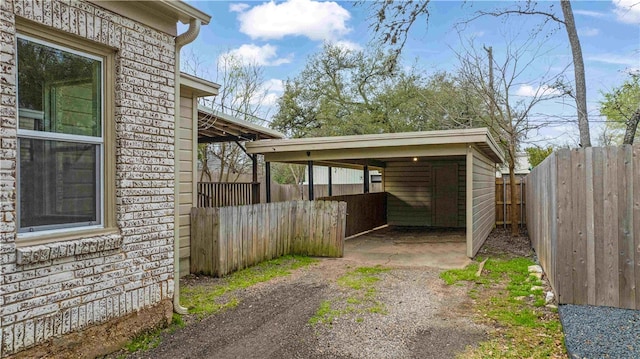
(181, 40)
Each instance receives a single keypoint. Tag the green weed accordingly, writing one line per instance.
(207, 300)
(526, 332)
(361, 299)
(204, 301)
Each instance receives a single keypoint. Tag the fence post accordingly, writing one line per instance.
(310, 169)
(504, 203)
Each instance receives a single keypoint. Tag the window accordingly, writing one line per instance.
(60, 137)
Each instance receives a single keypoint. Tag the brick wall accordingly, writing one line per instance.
(49, 290)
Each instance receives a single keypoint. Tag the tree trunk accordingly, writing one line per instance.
(515, 230)
(632, 127)
(578, 69)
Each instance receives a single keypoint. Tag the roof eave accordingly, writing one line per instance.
(251, 126)
(185, 12)
(200, 87)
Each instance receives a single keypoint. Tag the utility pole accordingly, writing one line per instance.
(492, 92)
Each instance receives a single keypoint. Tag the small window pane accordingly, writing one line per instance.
(58, 184)
(58, 91)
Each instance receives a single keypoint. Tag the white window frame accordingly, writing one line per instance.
(26, 233)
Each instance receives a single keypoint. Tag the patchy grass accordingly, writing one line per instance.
(360, 298)
(207, 300)
(503, 299)
(152, 338)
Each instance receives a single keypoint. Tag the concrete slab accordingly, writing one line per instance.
(409, 247)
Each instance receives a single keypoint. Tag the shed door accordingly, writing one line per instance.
(445, 195)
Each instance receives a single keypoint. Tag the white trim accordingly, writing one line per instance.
(58, 47)
(57, 136)
(46, 232)
(30, 232)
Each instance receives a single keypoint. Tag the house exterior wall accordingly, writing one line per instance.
(411, 191)
(338, 175)
(187, 184)
(483, 200)
(60, 287)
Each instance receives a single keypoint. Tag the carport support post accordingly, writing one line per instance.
(365, 176)
(310, 166)
(330, 182)
(469, 200)
(255, 186)
(267, 180)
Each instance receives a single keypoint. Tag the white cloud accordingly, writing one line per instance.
(314, 19)
(614, 59)
(589, 13)
(269, 93)
(274, 85)
(265, 55)
(530, 91)
(238, 7)
(347, 45)
(588, 31)
(627, 11)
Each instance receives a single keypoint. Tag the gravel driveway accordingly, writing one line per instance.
(424, 319)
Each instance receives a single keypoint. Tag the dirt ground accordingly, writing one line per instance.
(425, 318)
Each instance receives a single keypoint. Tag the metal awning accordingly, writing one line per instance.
(215, 126)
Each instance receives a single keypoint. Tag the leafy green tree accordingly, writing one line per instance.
(621, 106)
(538, 154)
(347, 92)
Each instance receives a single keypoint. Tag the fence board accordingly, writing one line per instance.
(584, 223)
(625, 231)
(598, 224)
(590, 238)
(578, 238)
(636, 220)
(231, 238)
(610, 228)
(565, 263)
(505, 204)
(364, 211)
(223, 194)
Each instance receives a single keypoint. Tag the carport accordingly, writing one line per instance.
(433, 179)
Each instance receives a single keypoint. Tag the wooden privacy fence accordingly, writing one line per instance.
(584, 223)
(222, 194)
(230, 238)
(364, 211)
(505, 204)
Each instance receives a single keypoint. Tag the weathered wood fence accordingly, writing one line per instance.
(505, 204)
(222, 194)
(584, 223)
(226, 239)
(364, 211)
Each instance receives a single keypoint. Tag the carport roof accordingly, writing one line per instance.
(376, 149)
(216, 126)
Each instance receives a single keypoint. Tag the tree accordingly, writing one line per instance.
(621, 106)
(538, 154)
(347, 92)
(506, 110)
(394, 19)
(241, 94)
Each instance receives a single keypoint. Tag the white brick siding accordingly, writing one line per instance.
(57, 288)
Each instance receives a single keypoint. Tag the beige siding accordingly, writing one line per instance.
(410, 188)
(483, 199)
(186, 185)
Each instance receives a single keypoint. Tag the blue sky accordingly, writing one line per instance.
(281, 35)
